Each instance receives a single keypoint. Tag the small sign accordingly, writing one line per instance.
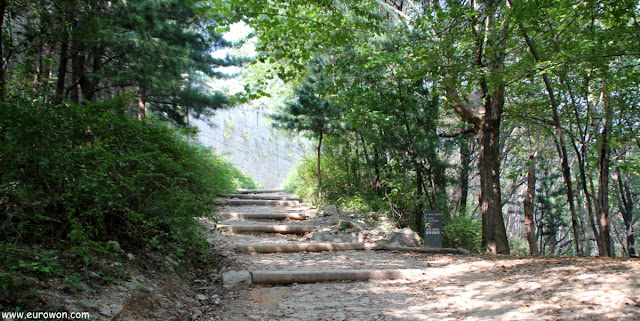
(433, 229)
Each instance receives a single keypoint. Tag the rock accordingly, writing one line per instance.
(330, 210)
(329, 236)
(131, 257)
(405, 237)
(114, 245)
(339, 316)
(210, 241)
(201, 297)
(89, 304)
(233, 279)
(333, 220)
(171, 261)
(109, 309)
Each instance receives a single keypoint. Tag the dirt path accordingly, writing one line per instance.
(453, 287)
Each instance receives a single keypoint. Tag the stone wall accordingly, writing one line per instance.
(246, 136)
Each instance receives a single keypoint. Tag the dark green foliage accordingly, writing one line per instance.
(462, 232)
(309, 112)
(74, 177)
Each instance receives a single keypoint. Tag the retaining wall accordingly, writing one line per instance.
(246, 136)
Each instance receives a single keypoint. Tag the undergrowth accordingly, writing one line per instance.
(79, 183)
(397, 198)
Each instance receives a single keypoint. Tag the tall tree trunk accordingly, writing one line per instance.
(602, 201)
(62, 68)
(562, 147)
(582, 157)
(318, 151)
(376, 170)
(528, 207)
(625, 204)
(494, 235)
(465, 162)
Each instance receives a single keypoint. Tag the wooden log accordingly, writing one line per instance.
(298, 247)
(258, 191)
(288, 277)
(261, 203)
(261, 197)
(263, 216)
(285, 229)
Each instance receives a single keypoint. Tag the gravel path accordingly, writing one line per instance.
(453, 287)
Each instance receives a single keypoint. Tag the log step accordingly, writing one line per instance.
(258, 191)
(263, 216)
(261, 203)
(299, 247)
(285, 229)
(288, 277)
(262, 197)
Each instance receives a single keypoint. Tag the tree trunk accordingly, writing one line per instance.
(625, 204)
(62, 68)
(562, 147)
(318, 151)
(602, 201)
(494, 235)
(142, 108)
(583, 178)
(528, 208)
(465, 161)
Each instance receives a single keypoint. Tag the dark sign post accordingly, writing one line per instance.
(433, 229)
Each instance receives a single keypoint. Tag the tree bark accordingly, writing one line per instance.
(602, 201)
(528, 208)
(494, 235)
(562, 147)
(62, 68)
(318, 151)
(625, 204)
(465, 161)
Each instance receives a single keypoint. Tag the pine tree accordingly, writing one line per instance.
(310, 113)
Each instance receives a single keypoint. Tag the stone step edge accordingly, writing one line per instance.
(258, 191)
(257, 248)
(261, 197)
(266, 216)
(234, 202)
(232, 279)
(302, 247)
(284, 229)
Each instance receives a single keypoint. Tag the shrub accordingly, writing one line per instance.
(74, 177)
(462, 232)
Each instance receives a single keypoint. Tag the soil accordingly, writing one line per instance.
(452, 287)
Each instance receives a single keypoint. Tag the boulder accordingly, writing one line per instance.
(330, 210)
(233, 279)
(404, 237)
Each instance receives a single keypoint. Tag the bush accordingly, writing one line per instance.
(74, 177)
(462, 232)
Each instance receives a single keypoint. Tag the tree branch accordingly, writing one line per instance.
(458, 133)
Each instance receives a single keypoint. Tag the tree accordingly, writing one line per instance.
(310, 113)
(90, 51)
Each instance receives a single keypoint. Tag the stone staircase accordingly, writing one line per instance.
(262, 222)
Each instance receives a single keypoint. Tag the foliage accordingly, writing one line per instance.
(76, 177)
(464, 232)
(79, 51)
